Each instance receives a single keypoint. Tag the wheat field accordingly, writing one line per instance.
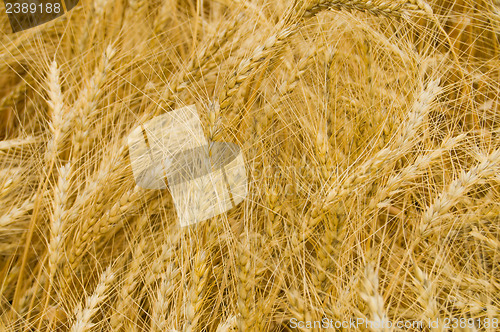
(371, 137)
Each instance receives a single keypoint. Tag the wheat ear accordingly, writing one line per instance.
(377, 8)
(129, 287)
(87, 104)
(197, 291)
(248, 65)
(85, 312)
(58, 218)
(168, 284)
(59, 124)
(433, 214)
(426, 289)
(405, 139)
(244, 285)
(370, 294)
(412, 171)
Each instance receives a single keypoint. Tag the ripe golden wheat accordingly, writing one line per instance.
(371, 134)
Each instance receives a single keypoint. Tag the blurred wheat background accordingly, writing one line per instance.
(371, 132)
